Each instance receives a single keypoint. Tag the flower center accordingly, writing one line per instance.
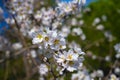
(46, 38)
(70, 57)
(39, 36)
(56, 41)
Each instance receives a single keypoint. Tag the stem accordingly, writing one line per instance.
(52, 71)
(22, 40)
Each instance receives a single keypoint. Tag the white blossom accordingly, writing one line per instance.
(65, 31)
(117, 70)
(117, 48)
(78, 31)
(17, 46)
(96, 21)
(43, 69)
(70, 60)
(74, 22)
(80, 75)
(99, 73)
(33, 53)
(100, 27)
(113, 77)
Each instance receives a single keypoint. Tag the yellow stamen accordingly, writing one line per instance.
(39, 36)
(70, 57)
(56, 41)
(47, 38)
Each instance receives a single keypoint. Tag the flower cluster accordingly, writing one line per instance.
(21, 6)
(66, 7)
(46, 28)
(49, 39)
(70, 60)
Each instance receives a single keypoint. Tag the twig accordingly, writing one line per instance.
(113, 66)
(18, 53)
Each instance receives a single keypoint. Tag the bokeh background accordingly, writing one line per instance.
(100, 24)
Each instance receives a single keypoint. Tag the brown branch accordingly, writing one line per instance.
(112, 67)
(23, 41)
(18, 53)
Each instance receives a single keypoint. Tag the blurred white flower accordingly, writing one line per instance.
(41, 78)
(94, 57)
(82, 1)
(43, 69)
(80, 75)
(117, 70)
(100, 27)
(33, 53)
(74, 22)
(104, 17)
(77, 31)
(10, 21)
(99, 73)
(109, 36)
(113, 77)
(17, 46)
(83, 37)
(56, 24)
(65, 7)
(38, 15)
(117, 55)
(81, 22)
(65, 31)
(96, 21)
(117, 47)
(108, 58)
(93, 74)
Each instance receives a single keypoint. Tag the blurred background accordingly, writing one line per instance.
(98, 34)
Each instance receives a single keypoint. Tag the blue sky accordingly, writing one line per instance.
(3, 24)
(87, 1)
